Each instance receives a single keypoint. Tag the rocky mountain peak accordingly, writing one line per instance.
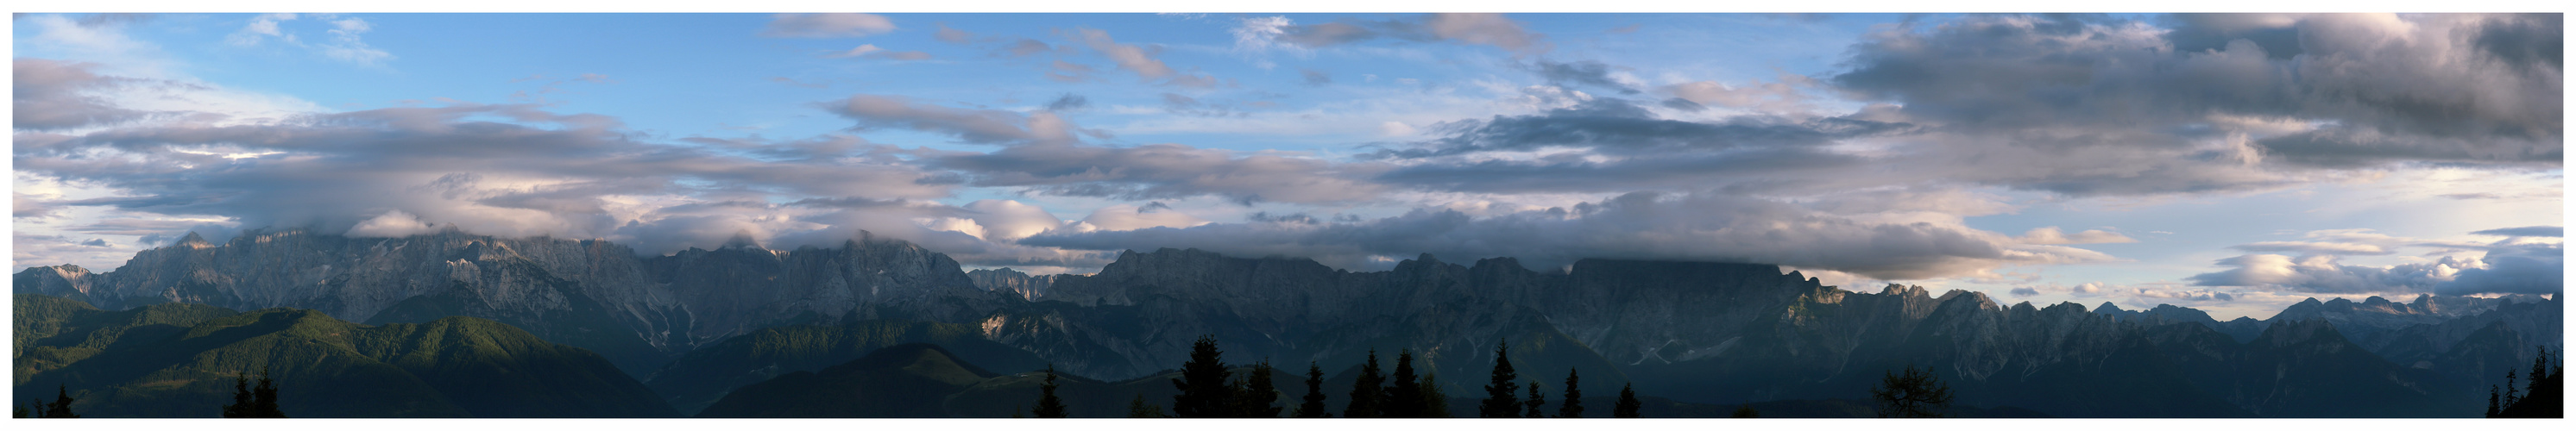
(193, 241)
(2107, 308)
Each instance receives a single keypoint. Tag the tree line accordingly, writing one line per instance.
(1208, 390)
(248, 402)
(2545, 398)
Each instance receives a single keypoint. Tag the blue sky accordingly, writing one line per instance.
(2233, 163)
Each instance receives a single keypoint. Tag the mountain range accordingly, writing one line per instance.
(701, 325)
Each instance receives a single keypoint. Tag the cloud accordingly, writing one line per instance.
(506, 170)
(56, 95)
(2322, 274)
(2086, 289)
(1585, 72)
(1469, 28)
(392, 224)
(1068, 102)
(826, 25)
(346, 45)
(2547, 231)
(2024, 291)
(2363, 90)
(951, 35)
(1165, 171)
(981, 126)
(872, 51)
(2051, 235)
(2535, 268)
(1130, 58)
(23, 205)
(1315, 78)
(1697, 227)
(343, 40)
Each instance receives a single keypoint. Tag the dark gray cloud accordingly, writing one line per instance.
(1068, 102)
(2547, 231)
(2537, 268)
(1697, 227)
(1587, 72)
(2367, 90)
(2024, 291)
(1615, 126)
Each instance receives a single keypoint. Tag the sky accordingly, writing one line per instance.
(2232, 163)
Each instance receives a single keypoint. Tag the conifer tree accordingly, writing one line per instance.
(1499, 401)
(264, 399)
(1628, 404)
(1048, 405)
(1259, 398)
(61, 408)
(2539, 369)
(1139, 409)
(1366, 395)
(1573, 395)
(1746, 412)
(1204, 390)
(2491, 401)
(1403, 391)
(1435, 401)
(2511, 385)
(1314, 405)
(242, 402)
(1536, 400)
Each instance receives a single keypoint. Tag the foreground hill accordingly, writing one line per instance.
(180, 360)
(705, 375)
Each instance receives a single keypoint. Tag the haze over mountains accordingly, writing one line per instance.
(1710, 333)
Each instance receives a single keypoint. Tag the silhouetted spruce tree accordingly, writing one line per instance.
(1499, 397)
(1139, 409)
(1915, 393)
(1048, 405)
(61, 408)
(1366, 395)
(1204, 390)
(1628, 404)
(2491, 401)
(242, 401)
(1314, 405)
(264, 399)
(1403, 390)
(1260, 397)
(2510, 385)
(1536, 400)
(1573, 395)
(1435, 401)
(1746, 412)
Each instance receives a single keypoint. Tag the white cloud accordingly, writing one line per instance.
(392, 224)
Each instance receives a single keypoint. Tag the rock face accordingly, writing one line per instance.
(1028, 287)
